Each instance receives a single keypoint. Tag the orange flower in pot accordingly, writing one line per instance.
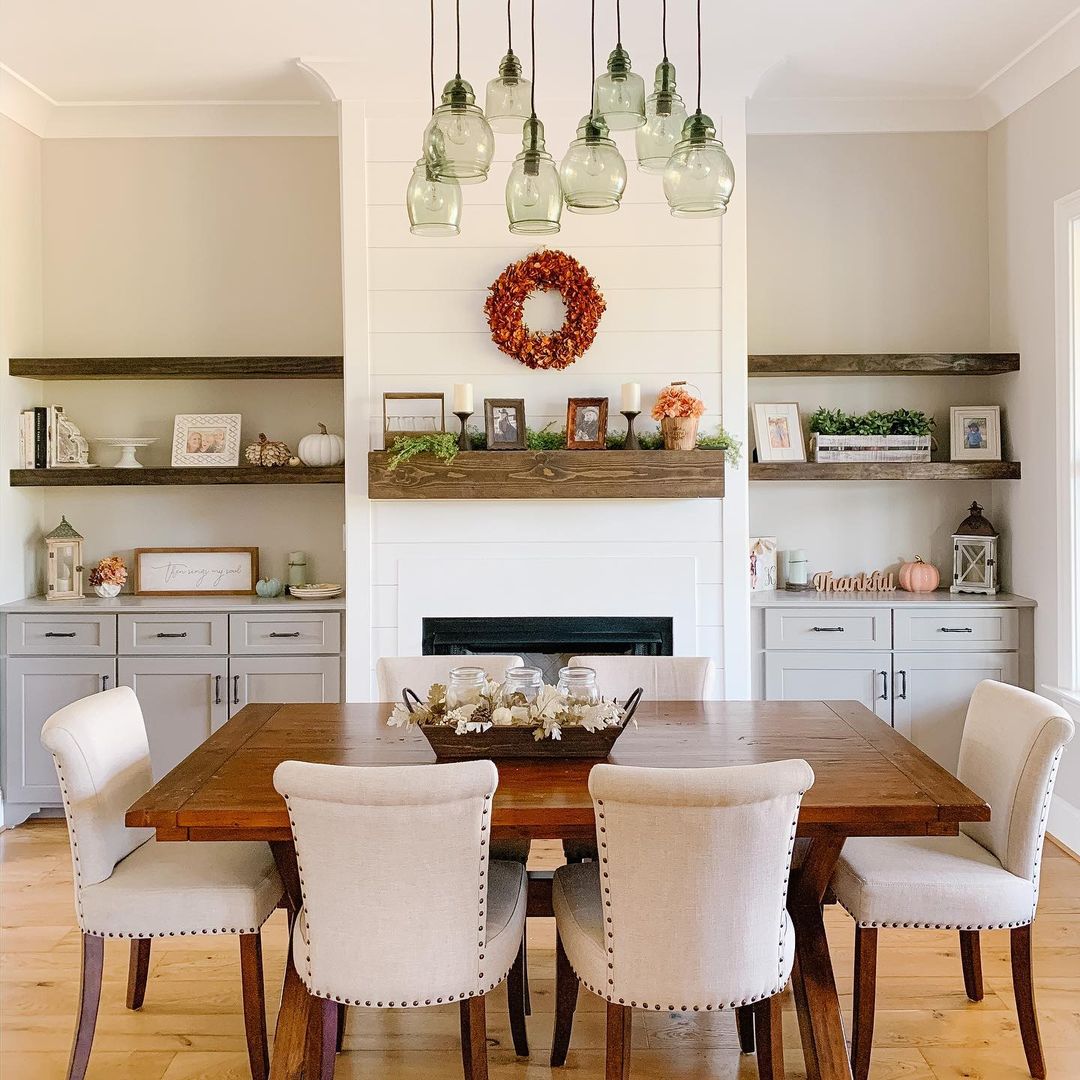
(679, 413)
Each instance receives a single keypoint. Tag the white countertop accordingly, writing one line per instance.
(96, 605)
(899, 598)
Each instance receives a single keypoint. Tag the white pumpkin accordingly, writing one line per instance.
(322, 448)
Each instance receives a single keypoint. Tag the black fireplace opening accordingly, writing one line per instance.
(548, 643)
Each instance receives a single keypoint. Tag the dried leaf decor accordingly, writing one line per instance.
(544, 271)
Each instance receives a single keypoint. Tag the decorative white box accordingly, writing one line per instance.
(856, 448)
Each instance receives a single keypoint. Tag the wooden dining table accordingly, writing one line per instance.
(869, 781)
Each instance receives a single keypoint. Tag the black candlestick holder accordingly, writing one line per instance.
(631, 436)
(463, 437)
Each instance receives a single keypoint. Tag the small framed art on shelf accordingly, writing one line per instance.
(586, 423)
(206, 439)
(778, 432)
(504, 423)
(975, 433)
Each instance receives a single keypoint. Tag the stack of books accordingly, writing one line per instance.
(39, 437)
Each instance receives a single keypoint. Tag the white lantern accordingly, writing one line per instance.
(975, 555)
(63, 573)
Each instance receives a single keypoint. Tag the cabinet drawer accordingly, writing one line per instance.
(284, 633)
(952, 629)
(141, 635)
(828, 628)
(61, 635)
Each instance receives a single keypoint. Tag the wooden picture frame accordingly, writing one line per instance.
(391, 433)
(778, 432)
(162, 571)
(206, 439)
(975, 433)
(504, 432)
(586, 423)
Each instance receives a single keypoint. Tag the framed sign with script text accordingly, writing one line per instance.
(212, 571)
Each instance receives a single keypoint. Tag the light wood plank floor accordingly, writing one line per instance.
(191, 1025)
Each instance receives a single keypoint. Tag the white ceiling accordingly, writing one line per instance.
(129, 51)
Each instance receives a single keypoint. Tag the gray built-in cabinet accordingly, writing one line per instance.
(192, 663)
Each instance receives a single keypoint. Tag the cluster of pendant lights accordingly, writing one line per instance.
(459, 143)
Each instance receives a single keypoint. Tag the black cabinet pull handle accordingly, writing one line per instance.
(217, 689)
(104, 682)
(161, 633)
(827, 629)
(902, 696)
(956, 630)
(236, 689)
(274, 633)
(884, 686)
(55, 633)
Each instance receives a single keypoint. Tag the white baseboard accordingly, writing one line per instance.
(1063, 824)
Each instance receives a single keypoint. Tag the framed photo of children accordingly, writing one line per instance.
(778, 432)
(586, 423)
(975, 433)
(504, 423)
(206, 439)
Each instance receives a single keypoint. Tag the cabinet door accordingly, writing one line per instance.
(931, 693)
(184, 699)
(35, 688)
(283, 678)
(864, 677)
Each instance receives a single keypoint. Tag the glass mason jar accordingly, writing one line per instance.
(525, 681)
(464, 686)
(579, 685)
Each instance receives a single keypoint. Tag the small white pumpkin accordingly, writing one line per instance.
(322, 448)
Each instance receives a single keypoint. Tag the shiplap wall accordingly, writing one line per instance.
(661, 280)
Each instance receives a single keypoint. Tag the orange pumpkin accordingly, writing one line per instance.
(918, 576)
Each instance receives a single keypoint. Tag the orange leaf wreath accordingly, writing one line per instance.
(544, 271)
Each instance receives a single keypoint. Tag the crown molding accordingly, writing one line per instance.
(24, 103)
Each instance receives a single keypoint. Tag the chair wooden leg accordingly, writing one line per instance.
(320, 1055)
(744, 1022)
(93, 958)
(617, 1060)
(1024, 991)
(862, 1019)
(971, 957)
(138, 968)
(515, 994)
(251, 981)
(474, 1038)
(566, 995)
(768, 1020)
(525, 966)
(342, 1013)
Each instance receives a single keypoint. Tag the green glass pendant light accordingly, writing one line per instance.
(699, 177)
(508, 102)
(665, 114)
(620, 92)
(459, 143)
(434, 205)
(593, 172)
(534, 198)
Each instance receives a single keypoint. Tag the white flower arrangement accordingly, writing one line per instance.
(547, 715)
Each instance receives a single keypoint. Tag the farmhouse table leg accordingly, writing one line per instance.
(820, 1024)
(290, 1035)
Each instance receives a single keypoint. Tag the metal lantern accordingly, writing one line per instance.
(63, 574)
(975, 555)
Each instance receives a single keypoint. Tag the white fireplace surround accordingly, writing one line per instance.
(552, 587)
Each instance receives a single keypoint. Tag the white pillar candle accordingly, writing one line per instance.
(463, 401)
(631, 397)
(796, 567)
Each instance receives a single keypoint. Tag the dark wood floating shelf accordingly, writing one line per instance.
(147, 477)
(884, 470)
(552, 474)
(884, 364)
(178, 367)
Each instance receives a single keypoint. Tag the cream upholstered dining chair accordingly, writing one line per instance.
(127, 885)
(403, 908)
(393, 674)
(986, 878)
(686, 909)
(663, 678)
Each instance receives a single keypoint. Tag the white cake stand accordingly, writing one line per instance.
(127, 446)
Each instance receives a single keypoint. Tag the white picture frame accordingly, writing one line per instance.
(778, 432)
(206, 439)
(975, 433)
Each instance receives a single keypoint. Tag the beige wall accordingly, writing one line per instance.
(20, 334)
(215, 247)
(867, 243)
(1034, 160)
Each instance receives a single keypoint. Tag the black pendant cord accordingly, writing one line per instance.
(699, 56)
(532, 42)
(592, 62)
(509, 29)
(433, 56)
(457, 25)
(663, 27)
(618, 22)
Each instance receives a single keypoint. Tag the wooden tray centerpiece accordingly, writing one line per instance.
(498, 727)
